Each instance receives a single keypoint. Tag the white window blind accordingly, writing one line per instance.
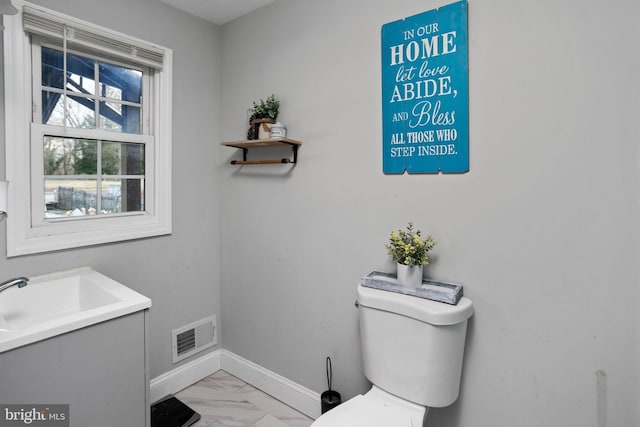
(60, 28)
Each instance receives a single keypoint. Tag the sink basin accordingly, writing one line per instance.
(56, 303)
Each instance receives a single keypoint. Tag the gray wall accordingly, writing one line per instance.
(181, 272)
(542, 231)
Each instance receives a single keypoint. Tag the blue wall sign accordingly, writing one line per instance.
(425, 92)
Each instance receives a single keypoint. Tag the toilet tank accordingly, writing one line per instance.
(413, 347)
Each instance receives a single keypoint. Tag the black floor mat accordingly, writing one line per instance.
(170, 412)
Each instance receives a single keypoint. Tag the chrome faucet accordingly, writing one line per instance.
(20, 282)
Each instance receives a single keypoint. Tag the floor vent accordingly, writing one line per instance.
(192, 338)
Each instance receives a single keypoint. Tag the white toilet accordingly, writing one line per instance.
(412, 351)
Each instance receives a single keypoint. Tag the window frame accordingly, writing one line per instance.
(23, 142)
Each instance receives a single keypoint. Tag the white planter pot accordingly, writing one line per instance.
(409, 276)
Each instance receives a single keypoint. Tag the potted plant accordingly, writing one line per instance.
(263, 113)
(411, 253)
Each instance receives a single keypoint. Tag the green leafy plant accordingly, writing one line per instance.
(409, 248)
(266, 108)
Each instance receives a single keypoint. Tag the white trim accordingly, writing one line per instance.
(185, 375)
(17, 53)
(298, 397)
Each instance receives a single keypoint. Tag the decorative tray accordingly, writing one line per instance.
(437, 291)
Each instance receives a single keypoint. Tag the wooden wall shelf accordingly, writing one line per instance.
(261, 143)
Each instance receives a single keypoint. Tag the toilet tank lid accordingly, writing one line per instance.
(422, 309)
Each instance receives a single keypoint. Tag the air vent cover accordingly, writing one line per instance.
(192, 338)
(186, 341)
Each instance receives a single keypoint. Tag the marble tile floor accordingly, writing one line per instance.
(223, 400)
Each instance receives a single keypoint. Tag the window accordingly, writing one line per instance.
(83, 174)
(88, 136)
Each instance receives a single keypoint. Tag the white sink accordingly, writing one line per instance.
(56, 303)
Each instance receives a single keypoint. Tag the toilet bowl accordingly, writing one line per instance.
(412, 350)
(376, 408)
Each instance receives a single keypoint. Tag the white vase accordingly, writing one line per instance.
(409, 276)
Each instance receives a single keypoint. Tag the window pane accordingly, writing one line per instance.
(80, 71)
(52, 108)
(122, 195)
(120, 118)
(112, 196)
(122, 86)
(80, 80)
(68, 193)
(122, 158)
(52, 68)
(81, 74)
(70, 197)
(80, 112)
(70, 156)
(120, 83)
(78, 197)
(132, 195)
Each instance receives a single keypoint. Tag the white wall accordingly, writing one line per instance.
(180, 273)
(542, 231)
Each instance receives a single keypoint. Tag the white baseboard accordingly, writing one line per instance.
(183, 376)
(298, 397)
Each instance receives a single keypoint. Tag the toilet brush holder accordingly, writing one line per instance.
(330, 398)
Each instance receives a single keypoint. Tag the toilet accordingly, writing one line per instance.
(412, 351)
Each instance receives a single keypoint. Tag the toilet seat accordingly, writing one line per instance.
(377, 408)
